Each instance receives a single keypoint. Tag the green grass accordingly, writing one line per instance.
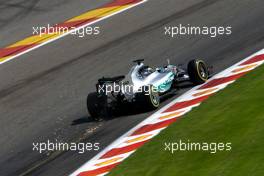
(235, 114)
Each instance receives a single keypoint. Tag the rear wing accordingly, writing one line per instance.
(111, 80)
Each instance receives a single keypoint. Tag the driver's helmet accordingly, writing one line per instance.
(145, 71)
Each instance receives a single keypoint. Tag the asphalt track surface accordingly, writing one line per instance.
(43, 93)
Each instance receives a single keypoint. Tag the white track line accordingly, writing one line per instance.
(70, 31)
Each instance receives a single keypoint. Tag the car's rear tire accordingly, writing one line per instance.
(93, 105)
(198, 71)
(149, 99)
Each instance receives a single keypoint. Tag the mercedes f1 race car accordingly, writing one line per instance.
(143, 86)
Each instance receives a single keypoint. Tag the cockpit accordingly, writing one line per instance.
(145, 71)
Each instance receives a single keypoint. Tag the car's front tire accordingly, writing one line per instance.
(198, 71)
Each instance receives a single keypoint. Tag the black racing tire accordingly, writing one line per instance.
(198, 71)
(149, 99)
(93, 105)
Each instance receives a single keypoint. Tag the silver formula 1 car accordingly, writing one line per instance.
(143, 86)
